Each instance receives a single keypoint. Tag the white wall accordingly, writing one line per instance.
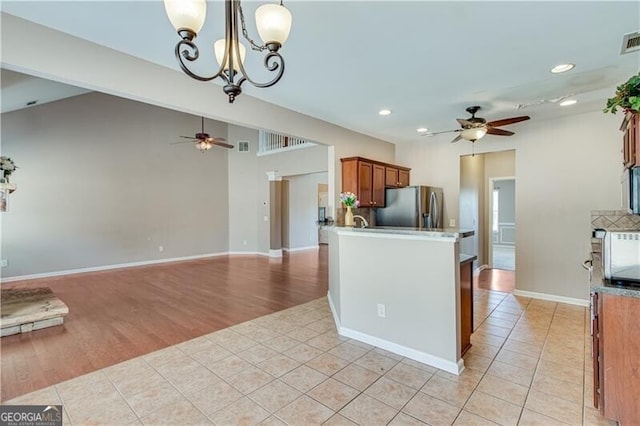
(303, 210)
(564, 169)
(100, 184)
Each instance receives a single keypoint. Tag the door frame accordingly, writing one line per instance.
(489, 213)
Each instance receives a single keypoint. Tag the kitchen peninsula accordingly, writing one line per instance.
(399, 289)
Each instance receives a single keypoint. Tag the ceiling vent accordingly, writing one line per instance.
(243, 146)
(630, 43)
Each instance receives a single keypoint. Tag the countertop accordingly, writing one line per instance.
(464, 258)
(429, 232)
(599, 284)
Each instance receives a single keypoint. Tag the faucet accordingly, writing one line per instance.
(363, 221)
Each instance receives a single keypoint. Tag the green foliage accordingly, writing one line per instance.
(627, 96)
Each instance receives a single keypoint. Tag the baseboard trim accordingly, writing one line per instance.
(275, 252)
(425, 358)
(293, 250)
(109, 267)
(552, 297)
(482, 268)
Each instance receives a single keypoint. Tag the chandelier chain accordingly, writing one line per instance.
(253, 44)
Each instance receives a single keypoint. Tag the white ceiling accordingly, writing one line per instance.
(427, 61)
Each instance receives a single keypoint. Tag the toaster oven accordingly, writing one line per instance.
(621, 255)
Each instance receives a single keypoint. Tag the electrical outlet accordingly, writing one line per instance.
(244, 242)
(3, 263)
(382, 310)
(160, 248)
(452, 223)
(265, 218)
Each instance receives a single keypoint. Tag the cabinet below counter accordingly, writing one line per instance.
(403, 292)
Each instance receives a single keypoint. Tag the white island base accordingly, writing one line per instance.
(399, 291)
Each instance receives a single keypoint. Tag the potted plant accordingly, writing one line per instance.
(627, 97)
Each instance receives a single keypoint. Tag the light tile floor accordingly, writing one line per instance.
(529, 365)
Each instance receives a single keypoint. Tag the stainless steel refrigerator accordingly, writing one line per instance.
(412, 206)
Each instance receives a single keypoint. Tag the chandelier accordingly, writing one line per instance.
(272, 20)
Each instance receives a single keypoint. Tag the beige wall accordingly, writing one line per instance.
(100, 183)
(497, 164)
(249, 187)
(564, 169)
(302, 211)
(472, 205)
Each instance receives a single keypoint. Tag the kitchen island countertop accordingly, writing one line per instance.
(421, 232)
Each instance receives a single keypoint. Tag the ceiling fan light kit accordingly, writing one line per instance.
(272, 20)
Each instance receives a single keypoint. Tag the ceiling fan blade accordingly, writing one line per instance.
(187, 137)
(507, 121)
(499, 132)
(437, 133)
(215, 138)
(179, 142)
(456, 139)
(219, 143)
(465, 123)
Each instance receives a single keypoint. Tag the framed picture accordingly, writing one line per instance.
(322, 214)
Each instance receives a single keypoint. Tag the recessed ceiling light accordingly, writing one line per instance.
(568, 102)
(384, 112)
(562, 68)
(422, 130)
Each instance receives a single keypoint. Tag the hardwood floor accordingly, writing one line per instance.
(496, 279)
(118, 315)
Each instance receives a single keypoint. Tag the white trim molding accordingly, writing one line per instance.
(552, 297)
(109, 267)
(293, 250)
(425, 358)
(273, 176)
(275, 252)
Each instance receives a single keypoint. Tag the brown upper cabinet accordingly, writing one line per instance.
(369, 178)
(396, 177)
(631, 140)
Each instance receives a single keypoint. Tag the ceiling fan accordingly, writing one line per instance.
(204, 141)
(474, 128)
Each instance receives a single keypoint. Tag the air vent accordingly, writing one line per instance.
(243, 146)
(630, 43)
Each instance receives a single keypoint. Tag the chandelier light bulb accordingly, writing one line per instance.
(274, 23)
(186, 14)
(219, 48)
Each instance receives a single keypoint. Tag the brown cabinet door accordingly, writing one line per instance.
(391, 177)
(634, 141)
(595, 350)
(350, 176)
(619, 360)
(466, 306)
(365, 192)
(630, 142)
(377, 180)
(403, 178)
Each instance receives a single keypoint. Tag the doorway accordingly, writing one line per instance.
(479, 176)
(502, 214)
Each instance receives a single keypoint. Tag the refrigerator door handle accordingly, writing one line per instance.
(433, 210)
